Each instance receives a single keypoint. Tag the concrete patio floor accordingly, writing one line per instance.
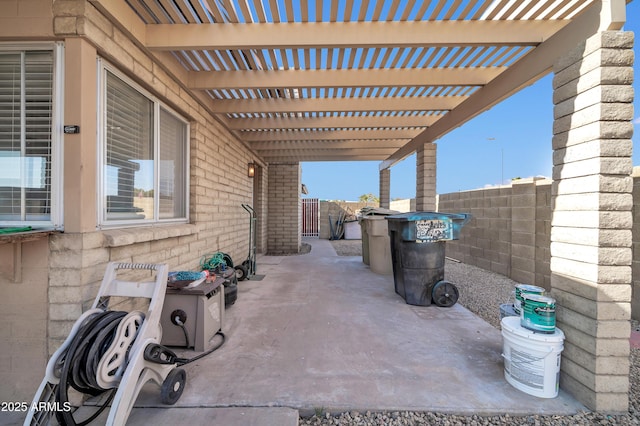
(323, 332)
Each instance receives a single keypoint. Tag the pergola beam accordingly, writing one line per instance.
(311, 35)
(385, 77)
(416, 103)
(319, 135)
(325, 157)
(332, 122)
(335, 154)
(327, 144)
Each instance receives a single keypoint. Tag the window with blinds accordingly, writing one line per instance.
(145, 157)
(26, 98)
(173, 173)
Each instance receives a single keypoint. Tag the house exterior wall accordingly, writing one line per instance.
(27, 19)
(61, 273)
(24, 314)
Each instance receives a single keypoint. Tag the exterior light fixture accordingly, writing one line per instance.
(251, 170)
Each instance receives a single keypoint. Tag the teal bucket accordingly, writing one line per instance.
(525, 289)
(538, 313)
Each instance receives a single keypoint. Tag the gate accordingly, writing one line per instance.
(310, 217)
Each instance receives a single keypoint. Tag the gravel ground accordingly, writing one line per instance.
(479, 291)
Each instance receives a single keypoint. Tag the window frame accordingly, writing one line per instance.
(56, 215)
(102, 221)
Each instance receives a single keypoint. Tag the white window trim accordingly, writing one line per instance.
(102, 222)
(57, 134)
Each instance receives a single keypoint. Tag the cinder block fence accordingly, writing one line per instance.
(511, 228)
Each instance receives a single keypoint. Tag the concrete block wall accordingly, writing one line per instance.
(509, 230)
(591, 234)
(334, 209)
(285, 208)
(499, 259)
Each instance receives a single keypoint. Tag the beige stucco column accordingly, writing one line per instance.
(591, 220)
(284, 223)
(80, 149)
(426, 177)
(385, 188)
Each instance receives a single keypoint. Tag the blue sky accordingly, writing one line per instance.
(513, 139)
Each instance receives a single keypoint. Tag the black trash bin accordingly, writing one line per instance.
(418, 252)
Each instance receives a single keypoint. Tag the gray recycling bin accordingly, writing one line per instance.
(375, 239)
(375, 244)
(417, 241)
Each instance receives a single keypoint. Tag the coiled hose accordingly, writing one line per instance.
(215, 260)
(79, 363)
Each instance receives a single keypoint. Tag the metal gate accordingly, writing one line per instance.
(310, 217)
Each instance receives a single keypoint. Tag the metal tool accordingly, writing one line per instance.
(248, 268)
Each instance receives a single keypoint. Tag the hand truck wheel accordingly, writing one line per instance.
(241, 272)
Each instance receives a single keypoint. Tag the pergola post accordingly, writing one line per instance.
(592, 217)
(426, 177)
(284, 222)
(385, 188)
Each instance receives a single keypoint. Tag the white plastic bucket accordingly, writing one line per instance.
(352, 231)
(531, 360)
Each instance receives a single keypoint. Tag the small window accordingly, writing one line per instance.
(144, 169)
(28, 163)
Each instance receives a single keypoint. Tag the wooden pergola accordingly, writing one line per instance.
(354, 80)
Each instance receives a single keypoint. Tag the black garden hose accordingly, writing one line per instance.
(185, 361)
(80, 363)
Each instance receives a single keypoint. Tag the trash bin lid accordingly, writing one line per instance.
(428, 226)
(376, 211)
(415, 216)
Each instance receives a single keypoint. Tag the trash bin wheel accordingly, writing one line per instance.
(444, 294)
(172, 386)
